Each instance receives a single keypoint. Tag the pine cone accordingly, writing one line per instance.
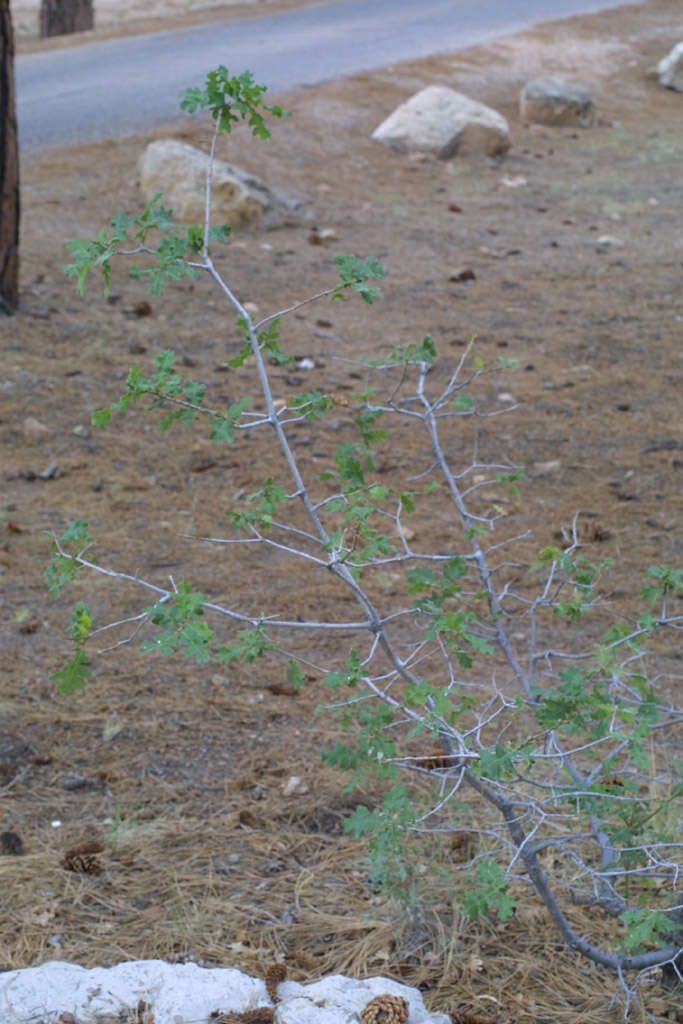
(385, 1009)
(81, 863)
(273, 976)
(434, 760)
(11, 843)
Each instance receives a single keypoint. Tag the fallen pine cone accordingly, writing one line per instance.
(11, 844)
(435, 759)
(273, 976)
(385, 1009)
(81, 863)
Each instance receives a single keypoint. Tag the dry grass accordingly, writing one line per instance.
(207, 863)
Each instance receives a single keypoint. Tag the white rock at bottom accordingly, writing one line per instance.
(184, 993)
(339, 1000)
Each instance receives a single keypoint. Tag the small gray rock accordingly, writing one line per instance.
(550, 100)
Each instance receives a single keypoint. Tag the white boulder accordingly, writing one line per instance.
(186, 994)
(670, 69)
(239, 199)
(550, 100)
(444, 122)
(171, 990)
(339, 1000)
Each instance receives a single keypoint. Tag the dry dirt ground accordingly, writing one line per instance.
(575, 247)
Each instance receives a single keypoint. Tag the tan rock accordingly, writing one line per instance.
(34, 430)
(444, 122)
(239, 199)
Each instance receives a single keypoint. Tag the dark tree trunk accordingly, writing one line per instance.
(9, 169)
(59, 17)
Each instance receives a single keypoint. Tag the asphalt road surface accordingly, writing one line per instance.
(124, 86)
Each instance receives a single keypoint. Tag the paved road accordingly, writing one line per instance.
(123, 86)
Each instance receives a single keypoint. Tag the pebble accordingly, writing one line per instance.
(34, 430)
(512, 181)
(294, 785)
(463, 274)
(320, 237)
(51, 471)
(610, 241)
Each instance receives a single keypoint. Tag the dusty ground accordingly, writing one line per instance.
(182, 769)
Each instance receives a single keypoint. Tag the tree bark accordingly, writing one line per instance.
(9, 169)
(59, 17)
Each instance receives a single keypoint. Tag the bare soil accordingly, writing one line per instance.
(575, 249)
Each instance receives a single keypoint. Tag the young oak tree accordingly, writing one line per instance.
(556, 748)
(9, 169)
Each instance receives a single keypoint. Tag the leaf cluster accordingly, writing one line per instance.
(63, 565)
(185, 629)
(488, 892)
(355, 275)
(264, 502)
(423, 352)
(266, 340)
(170, 255)
(186, 396)
(232, 98)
